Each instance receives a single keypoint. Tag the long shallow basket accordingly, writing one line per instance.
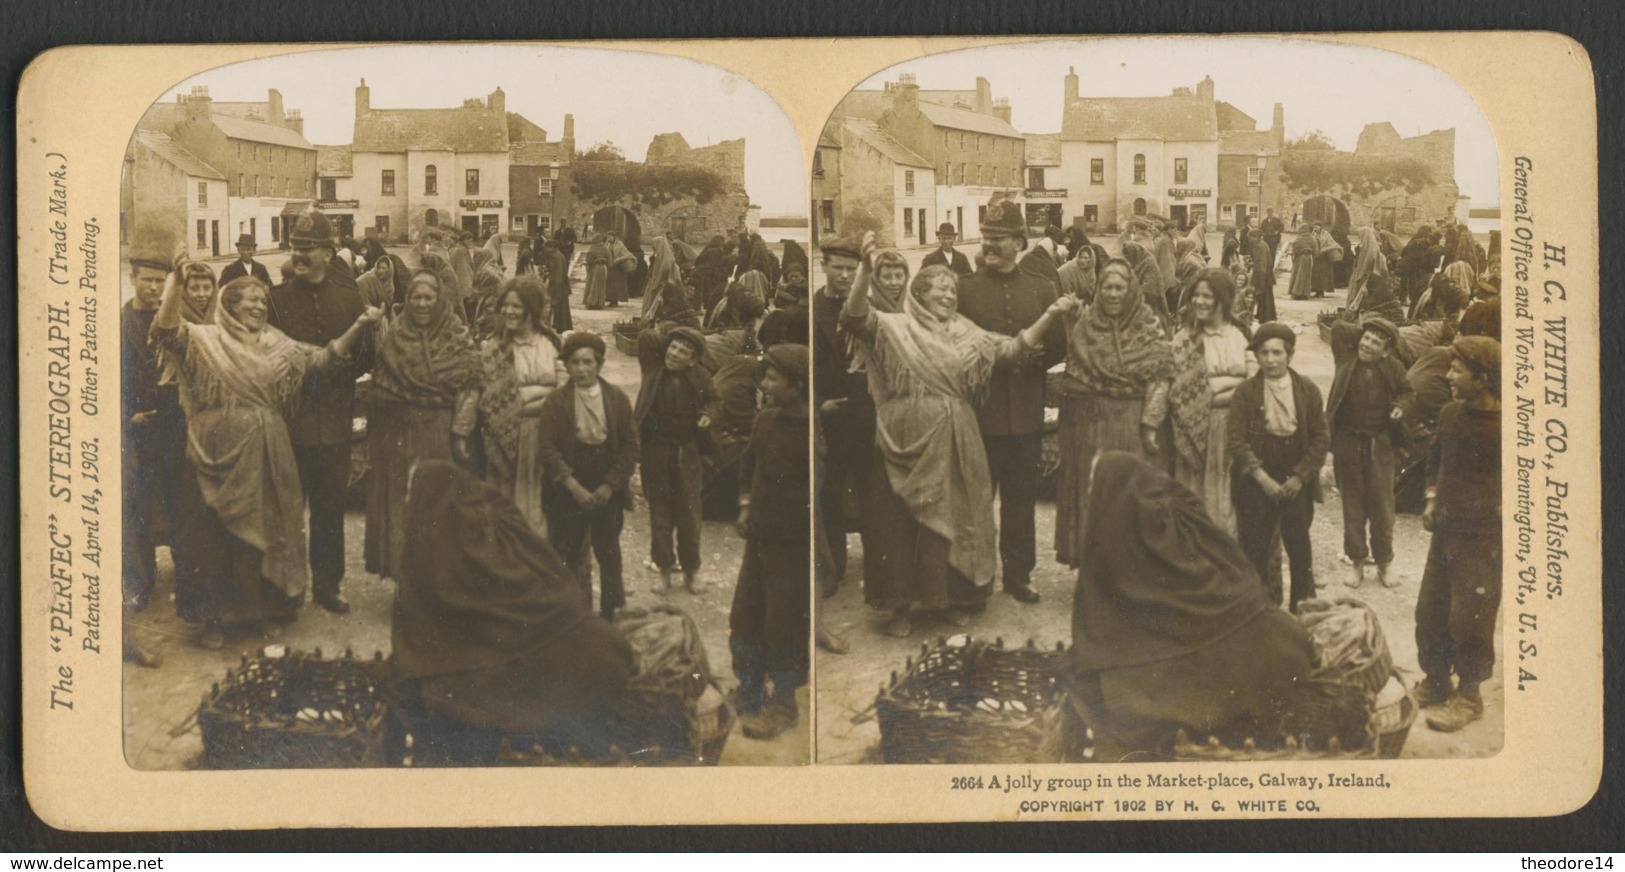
(297, 711)
(966, 701)
(626, 337)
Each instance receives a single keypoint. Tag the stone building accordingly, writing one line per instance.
(690, 193)
(826, 185)
(336, 194)
(1249, 165)
(414, 169)
(888, 188)
(260, 148)
(540, 176)
(169, 194)
(1395, 183)
(965, 136)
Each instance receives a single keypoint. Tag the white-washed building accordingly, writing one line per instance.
(172, 194)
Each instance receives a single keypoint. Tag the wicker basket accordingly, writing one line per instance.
(965, 701)
(297, 711)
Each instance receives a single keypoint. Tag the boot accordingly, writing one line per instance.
(1384, 578)
(691, 580)
(1357, 575)
(1460, 711)
(663, 586)
(1429, 693)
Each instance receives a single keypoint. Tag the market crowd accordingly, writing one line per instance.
(1190, 450)
(499, 461)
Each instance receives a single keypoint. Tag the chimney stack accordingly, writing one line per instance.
(295, 121)
(907, 96)
(1001, 108)
(984, 96)
(198, 104)
(1071, 84)
(274, 98)
(498, 101)
(1204, 89)
(363, 98)
(568, 141)
(1279, 123)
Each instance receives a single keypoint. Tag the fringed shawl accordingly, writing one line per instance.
(427, 366)
(1118, 357)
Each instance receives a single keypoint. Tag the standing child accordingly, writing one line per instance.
(1363, 409)
(676, 405)
(1461, 586)
(768, 626)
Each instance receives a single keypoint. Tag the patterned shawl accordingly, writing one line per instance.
(1121, 356)
(500, 404)
(426, 366)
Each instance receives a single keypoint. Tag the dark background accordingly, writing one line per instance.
(33, 26)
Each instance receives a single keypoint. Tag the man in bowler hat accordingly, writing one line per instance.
(316, 305)
(245, 264)
(946, 255)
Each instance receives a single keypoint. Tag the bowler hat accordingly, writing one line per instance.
(312, 226)
(1273, 330)
(1004, 219)
(947, 229)
(246, 239)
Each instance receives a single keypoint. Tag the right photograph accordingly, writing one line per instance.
(1158, 393)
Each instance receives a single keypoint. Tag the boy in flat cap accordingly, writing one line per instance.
(676, 405)
(1460, 597)
(152, 423)
(1363, 409)
(772, 605)
(1277, 441)
(846, 412)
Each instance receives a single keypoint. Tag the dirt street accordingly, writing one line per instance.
(847, 684)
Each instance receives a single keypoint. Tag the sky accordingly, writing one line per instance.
(1332, 88)
(616, 96)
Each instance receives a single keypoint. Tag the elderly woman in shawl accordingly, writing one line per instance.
(1170, 628)
(928, 365)
(622, 263)
(597, 260)
(710, 277)
(480, 308)
(1368, 261)
(488, 632)
(519, 368)
(1210, 359)
(1305, 248)
(1080, 275)
(1113, 395)
(1148, 279)
(239, 379)
(665, 297)
(426, 366)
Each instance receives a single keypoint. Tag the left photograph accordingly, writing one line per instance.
(465, 414)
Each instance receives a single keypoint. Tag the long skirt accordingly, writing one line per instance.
(1303, 269)
(1323, 281)
(597, 293)
(219, 581)
(615, 285)
(525, 488)
(398, 436)
(1090, 424)
(909, 564)
(1211, 479)
(560, 310)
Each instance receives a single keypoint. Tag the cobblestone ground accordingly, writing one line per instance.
(847, 684)
(160, 704)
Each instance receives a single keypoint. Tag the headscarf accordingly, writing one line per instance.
(794, 255)
(479, 588)
(1148, 278)
(426, 366)
(1198, 235)
(663, 271)
(1078, 280)
(193, 313)
(1367, 263)
(1158, 578)
(878, 296)
(1118, 356)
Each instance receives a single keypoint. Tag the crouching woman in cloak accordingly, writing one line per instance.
(1170, 628)
(489, 627)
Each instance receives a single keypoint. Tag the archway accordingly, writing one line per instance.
(619, 221)
(431, 218)
(1139, 205)
(1332, 214)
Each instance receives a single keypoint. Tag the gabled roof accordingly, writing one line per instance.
(829, 137)
(522, 129)
(1172, 119)
(1043, 150)
(176, 154)
(871, 134)
(1248, 142)
(333, 160)
(869, 104)
(964, 119)
(460, 130)
(538, 154)
(259, 131)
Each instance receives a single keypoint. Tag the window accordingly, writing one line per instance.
(544, 187)
(1181, 171)
(1097, 171)
(908, 223)
(203, 195)
(490, 225)
(1091, 214)
(981, 215)
(386, 184)
(431, 180)
(254, 152)
(239, 152)
(1227, 211)
(979, 144)
(1035, 178)
(285, 153)
(1139, 206)
(381, 225)
(1409, 214)
(544, 224)
(241, 191)
(1139, 171)
(1255, 177)
(961, 142)
(962, 178)
(276, 228)
(818, 164)
(255, 191)
(202, 233)
(330, 188)
(908, 183)
(826, 216)
(253, 229)
(471, 182)
(270, 154)
(518, 224)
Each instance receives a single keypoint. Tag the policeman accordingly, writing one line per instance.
(316, 305)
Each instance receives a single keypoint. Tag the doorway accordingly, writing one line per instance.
(471, 223)
(214, 237)
(1180, 215)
